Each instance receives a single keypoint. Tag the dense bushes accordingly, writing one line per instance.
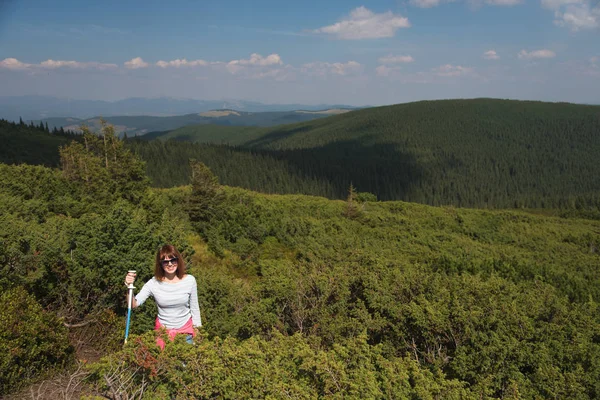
(32, 341)
(490, 333)
(71, 255)
(282, 367)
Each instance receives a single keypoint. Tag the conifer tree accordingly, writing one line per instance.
(206, 195)
(104, 166)
(353, 209)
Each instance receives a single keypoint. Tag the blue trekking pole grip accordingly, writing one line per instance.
(129, 304)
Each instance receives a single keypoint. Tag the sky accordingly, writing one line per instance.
(312, 52)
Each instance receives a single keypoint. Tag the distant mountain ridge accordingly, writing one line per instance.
(141, 125)
(43, 107)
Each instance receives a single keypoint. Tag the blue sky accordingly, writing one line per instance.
(359, 53)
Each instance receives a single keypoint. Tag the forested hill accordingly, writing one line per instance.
(476, 153)
(31, 144)
(467, 153)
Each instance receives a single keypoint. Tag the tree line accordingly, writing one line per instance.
(32, 144)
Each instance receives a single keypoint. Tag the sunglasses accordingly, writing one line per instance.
(169, 261)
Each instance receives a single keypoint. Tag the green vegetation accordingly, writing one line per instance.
(304, 295)
(466, 153)
(103, 166)
(31, 144)
(209, 133)
(32, 341)
(166, 165)
(280, 367)
(301, 296)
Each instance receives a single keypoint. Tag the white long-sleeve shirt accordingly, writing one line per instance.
(176, 302)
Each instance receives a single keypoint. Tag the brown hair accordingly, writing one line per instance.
(164, 252)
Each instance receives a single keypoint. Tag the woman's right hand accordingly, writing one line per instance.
(130, 278)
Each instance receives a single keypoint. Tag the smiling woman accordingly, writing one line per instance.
(175, 293)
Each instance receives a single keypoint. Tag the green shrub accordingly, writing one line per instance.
(281, 367)
(32, 341)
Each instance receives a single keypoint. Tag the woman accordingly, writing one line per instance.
(176, 295)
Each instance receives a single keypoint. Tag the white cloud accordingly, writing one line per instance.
(136, 63)
(258, 60)
(13, 64)
(181, 63)
(323, 68)
(53, 64)
(363, 23)
(451, 70)
(57, 64)
(391, 59)
(255, 61)
(491, 55)
(574, 14)
(578, 17)
(536, 54)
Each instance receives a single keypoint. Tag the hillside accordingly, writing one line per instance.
(469, 153)
(299, 295)
(209, 133)
(140, 125)
(30, 144)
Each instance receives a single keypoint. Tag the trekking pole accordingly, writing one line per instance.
(129, 303)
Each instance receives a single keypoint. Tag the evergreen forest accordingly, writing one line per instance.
(483, 153)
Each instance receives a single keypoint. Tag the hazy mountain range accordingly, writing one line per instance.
(42, 107)
(141, 125)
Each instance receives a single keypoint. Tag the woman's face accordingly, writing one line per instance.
(169, 264)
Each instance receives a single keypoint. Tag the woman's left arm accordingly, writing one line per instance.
(194, 306)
